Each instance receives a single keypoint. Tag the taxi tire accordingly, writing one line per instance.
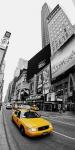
(22, 130)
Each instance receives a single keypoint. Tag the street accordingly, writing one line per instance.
(63, 137)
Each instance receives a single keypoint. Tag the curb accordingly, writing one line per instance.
(10, 141)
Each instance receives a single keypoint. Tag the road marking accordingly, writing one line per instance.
(60, 121)
(62, 116)
(63, 122)
(66, 117)
(64, 135)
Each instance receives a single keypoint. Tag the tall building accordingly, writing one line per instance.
(60, 28)
(44, 26)
(22, 64)
(1, 81)
(8, 93)
(3, 48)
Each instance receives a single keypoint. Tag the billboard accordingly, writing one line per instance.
(3, 46)
(63, 59)
(60, 28)
(5, 40)
(39, 83)
(46, 74)
(32, 88)
(1, 55)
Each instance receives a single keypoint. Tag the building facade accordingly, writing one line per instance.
(38, 76)
(8, 96)
(1, 82)
(22, 64)
(50, 74)
(3, 48)
(62, 41)
(63, 74)
(21, 91)
(59, 27)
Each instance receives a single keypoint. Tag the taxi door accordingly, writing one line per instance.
(18, 118)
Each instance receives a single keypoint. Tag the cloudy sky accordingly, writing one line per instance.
(23, 19)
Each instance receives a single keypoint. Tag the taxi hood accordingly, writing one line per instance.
(35, 122)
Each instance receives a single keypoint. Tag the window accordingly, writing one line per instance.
(17, 113)
(29, 114)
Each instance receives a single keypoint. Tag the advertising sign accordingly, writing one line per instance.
(39, 90)
(3, 46)
(1, 55)
(46, 88)
(32, 88)
(64, 59)
(39, 79)
(53, 96)
(5, 40)
(39, 83)
(46, 75)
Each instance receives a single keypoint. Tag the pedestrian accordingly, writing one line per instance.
(63, 109)
(59, 109)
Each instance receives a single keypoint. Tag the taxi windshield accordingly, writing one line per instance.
(29, 114)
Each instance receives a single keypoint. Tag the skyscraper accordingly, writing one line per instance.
(59, 27)
(22, 64)
(44, 26)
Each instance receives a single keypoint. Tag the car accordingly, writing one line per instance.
(34, 107)
(31, 123)
(24, 106)
(8, 106)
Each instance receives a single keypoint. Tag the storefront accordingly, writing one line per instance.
(38, 100)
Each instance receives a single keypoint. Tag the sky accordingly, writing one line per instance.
(23, 19)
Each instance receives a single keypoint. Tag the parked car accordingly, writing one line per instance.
(8, 106)
(24, 106)
(30, 123)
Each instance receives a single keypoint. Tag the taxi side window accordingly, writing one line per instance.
(17, 113)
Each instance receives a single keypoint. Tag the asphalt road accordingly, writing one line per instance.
(63, 138)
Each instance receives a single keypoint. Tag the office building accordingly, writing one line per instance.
(44, 26)
(59, 27)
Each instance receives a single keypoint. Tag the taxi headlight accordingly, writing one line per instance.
(33, 129)
(50, 125)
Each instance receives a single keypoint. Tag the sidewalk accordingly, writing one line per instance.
(3, 141)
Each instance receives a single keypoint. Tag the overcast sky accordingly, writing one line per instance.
(23, 19)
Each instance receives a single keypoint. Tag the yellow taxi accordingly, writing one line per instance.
(30, 123)
(34, 107)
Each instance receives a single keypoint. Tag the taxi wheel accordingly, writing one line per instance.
(22, 130)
